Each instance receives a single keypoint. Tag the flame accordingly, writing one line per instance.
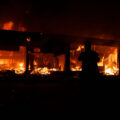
(20, 69)
(101, 62)
(35, 63)
(53, 69)
(111, 71)
(13, 60)
(111, 68)
(43, 71)
(108, 59)
(77, 68)
(75, 64)
(8, 26)
(80, 47)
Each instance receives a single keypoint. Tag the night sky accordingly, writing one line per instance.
(70, 17)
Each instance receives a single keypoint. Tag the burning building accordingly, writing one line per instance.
(39, 53)
(108, 52)
(30, 52)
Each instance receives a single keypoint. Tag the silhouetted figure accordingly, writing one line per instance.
(89, 60)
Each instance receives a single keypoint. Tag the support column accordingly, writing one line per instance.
(31, 59)
(67, 61)
(119, 59)
(27, 60)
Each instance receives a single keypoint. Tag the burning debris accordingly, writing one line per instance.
(45, 64)
(43, 71)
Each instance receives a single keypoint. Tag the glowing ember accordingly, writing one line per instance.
(43, 71)
(53, 69)
(77, 68)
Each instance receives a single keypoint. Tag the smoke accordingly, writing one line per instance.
(61, 17)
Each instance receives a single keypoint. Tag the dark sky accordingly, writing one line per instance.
(83, 18)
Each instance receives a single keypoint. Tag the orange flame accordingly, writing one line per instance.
(20, 69)
(13, 60)
(44, 71)
(8, 26)
(108, 62)
(77, 68)
(111, 68)
(76, 65)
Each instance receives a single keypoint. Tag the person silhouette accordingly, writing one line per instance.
(89, 60)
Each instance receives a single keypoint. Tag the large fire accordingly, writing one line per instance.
(39, 63)
(13, 60)
(20, 69)
(108, 64)
(10, 25)
(111, 67)
(16, 61)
